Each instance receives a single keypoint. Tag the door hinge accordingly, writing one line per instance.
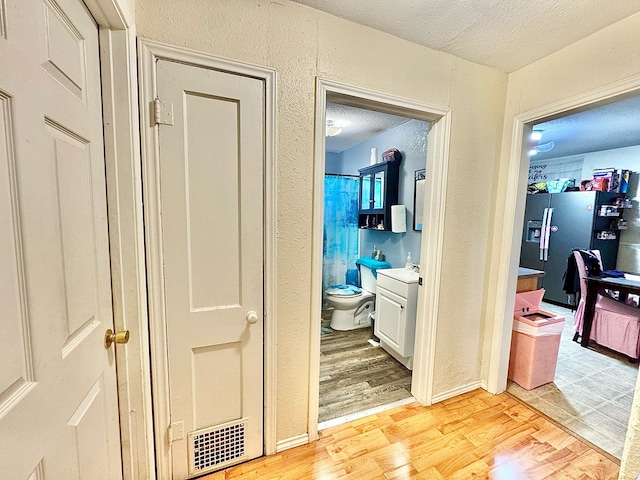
(162, 112)
(175, 431)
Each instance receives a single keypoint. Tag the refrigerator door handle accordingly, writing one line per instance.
(548, 234)
(543, 233)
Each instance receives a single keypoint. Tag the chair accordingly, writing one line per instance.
(615, 324)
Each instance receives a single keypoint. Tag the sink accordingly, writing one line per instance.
(401, 274)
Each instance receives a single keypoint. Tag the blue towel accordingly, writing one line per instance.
(374, 265)
(613, 273)
(351, 277)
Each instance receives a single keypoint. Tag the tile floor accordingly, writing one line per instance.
(592, 391)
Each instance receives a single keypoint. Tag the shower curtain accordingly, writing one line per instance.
(340, 247)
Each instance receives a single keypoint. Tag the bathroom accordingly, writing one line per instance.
(358, 370)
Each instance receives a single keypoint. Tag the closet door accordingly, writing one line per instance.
(211, 164)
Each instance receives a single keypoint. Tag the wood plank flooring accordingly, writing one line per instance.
(474, 435)
(356, 376)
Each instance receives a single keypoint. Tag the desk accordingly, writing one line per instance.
(595, 284)
(528, 279)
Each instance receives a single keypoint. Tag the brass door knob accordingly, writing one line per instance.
(110, 337)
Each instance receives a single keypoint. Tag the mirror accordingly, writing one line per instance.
(365, 192)
(418, 198)
(378, 195)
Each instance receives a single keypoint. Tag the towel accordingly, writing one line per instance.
(374, 265)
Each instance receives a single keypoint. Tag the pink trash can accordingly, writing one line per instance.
(535, 341)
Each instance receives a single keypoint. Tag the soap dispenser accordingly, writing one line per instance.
(409, 263)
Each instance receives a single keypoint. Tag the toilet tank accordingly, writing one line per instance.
(367, 280)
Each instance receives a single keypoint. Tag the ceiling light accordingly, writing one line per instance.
(544, 147)
(332, 130)
(536, 135)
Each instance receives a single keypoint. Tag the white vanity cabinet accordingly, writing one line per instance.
(396, 305)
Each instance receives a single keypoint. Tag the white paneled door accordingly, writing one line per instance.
(211, 201)
(58, 403)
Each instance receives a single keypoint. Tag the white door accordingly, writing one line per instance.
(58, 403)
(211, 201)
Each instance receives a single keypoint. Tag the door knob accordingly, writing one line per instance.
(252, 317)
(111, 337)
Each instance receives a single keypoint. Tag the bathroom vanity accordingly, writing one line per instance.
(396, 306)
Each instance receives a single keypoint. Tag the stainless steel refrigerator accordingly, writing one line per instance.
(557, 223)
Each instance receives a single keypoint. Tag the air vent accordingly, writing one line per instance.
(216, 447)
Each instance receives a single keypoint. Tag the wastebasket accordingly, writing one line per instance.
(535, 341)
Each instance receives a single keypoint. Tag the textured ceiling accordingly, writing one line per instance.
(357, 125)
(505, 34)
(604, 127)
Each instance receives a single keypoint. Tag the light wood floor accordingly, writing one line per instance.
(475, 435)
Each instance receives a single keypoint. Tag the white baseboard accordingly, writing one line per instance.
(457, 391)
(287, 443)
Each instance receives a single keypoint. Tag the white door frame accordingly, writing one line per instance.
(508, 255)
(431, 245)
(150, 52)
(116, 25)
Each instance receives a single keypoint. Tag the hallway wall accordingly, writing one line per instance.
(302, 44)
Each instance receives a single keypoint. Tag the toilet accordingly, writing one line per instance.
(352, 305)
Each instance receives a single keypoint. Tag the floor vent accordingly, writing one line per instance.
(216, 447)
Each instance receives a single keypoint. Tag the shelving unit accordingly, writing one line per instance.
(378, 191)
(609, 219)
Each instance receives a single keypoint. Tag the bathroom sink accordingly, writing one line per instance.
(401, 274)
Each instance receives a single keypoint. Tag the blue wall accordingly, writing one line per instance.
(411, 139)
(333, 164)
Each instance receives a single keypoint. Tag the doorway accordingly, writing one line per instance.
(358, 371)
(592, 391)
(430, 246)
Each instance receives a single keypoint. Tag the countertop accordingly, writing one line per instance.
(401, 274)
(529, 272)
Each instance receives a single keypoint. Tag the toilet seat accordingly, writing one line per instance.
(345, 291)
(349, 301)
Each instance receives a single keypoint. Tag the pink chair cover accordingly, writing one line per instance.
(615, 324)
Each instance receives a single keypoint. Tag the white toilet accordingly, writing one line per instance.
(351, 310)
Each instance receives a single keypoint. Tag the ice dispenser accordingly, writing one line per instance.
(534, 231)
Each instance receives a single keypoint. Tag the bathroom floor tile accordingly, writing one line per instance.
(357, 376)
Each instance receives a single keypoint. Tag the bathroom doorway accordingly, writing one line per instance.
(335, 251)
(358, 372)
